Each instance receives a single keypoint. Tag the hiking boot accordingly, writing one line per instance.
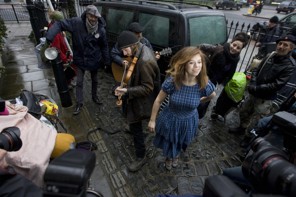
(137, 164)
(78, 108)
(238, 130)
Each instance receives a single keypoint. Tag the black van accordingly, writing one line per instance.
(165, 24)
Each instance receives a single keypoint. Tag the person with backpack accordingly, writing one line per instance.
(221, 67)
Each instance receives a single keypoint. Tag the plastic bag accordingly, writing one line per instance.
(235, 88)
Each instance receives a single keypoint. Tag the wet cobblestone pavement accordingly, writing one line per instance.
(213, 150)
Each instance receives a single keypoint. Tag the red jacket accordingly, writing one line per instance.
(59, 43)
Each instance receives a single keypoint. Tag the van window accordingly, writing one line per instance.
(156, 28)
(123, 19)
(207, 29)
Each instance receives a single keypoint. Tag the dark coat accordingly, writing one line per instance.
(143, 86)
(271, 34)
(222, 64)
(88, 49)
(271, 76)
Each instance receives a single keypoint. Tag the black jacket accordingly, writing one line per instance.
(88, 49)
(221, 65)
(271, 76)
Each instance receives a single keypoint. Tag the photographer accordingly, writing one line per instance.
(268, 34)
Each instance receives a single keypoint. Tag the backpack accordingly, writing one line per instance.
(235, 88)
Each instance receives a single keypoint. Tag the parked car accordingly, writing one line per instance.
(166, 25)
(286, 6)
(227, 4)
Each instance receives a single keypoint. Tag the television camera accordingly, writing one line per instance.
(269, 170)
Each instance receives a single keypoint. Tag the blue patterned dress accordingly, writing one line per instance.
(176, 124)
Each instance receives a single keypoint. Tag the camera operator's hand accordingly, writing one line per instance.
(3, 163)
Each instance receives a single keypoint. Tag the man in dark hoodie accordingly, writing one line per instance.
(90, 47)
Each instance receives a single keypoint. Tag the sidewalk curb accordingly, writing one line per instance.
(249, 15)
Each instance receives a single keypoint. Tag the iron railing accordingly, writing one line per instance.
(14, 12)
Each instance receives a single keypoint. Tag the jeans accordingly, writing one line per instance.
(252, 110)
(236, 175)
(79, 84)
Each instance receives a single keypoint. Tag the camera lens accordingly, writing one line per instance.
(260, 166)
(258, 143)
(10, 139)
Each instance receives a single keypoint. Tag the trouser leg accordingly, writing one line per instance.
(202, 109)
(262, 108)
(139, 141)
(246, 111)
(224, 104)
(79, 85)
(94, 83)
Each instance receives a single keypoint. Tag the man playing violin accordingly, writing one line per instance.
(140, 86)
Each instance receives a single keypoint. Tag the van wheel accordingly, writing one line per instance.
(217, 7)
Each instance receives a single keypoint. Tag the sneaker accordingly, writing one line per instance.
(137, 164)
(168, 163)
(78, 108)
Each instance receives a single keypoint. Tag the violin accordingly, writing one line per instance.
(127, 73)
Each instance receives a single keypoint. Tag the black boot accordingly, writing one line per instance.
(137, 164)
(78, 108)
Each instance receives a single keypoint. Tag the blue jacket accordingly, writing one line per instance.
(88, 49)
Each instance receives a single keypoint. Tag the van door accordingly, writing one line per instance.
(162, 30)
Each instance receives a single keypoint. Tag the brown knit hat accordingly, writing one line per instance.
(243, 37)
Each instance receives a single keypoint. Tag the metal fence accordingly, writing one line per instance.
(14, 12)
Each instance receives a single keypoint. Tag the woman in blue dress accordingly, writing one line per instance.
(187, 86)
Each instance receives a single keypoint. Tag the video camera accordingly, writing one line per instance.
(268, 169)
(68, 175)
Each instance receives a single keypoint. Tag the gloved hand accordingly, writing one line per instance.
(252, 88)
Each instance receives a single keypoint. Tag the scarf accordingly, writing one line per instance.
(91, 29)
